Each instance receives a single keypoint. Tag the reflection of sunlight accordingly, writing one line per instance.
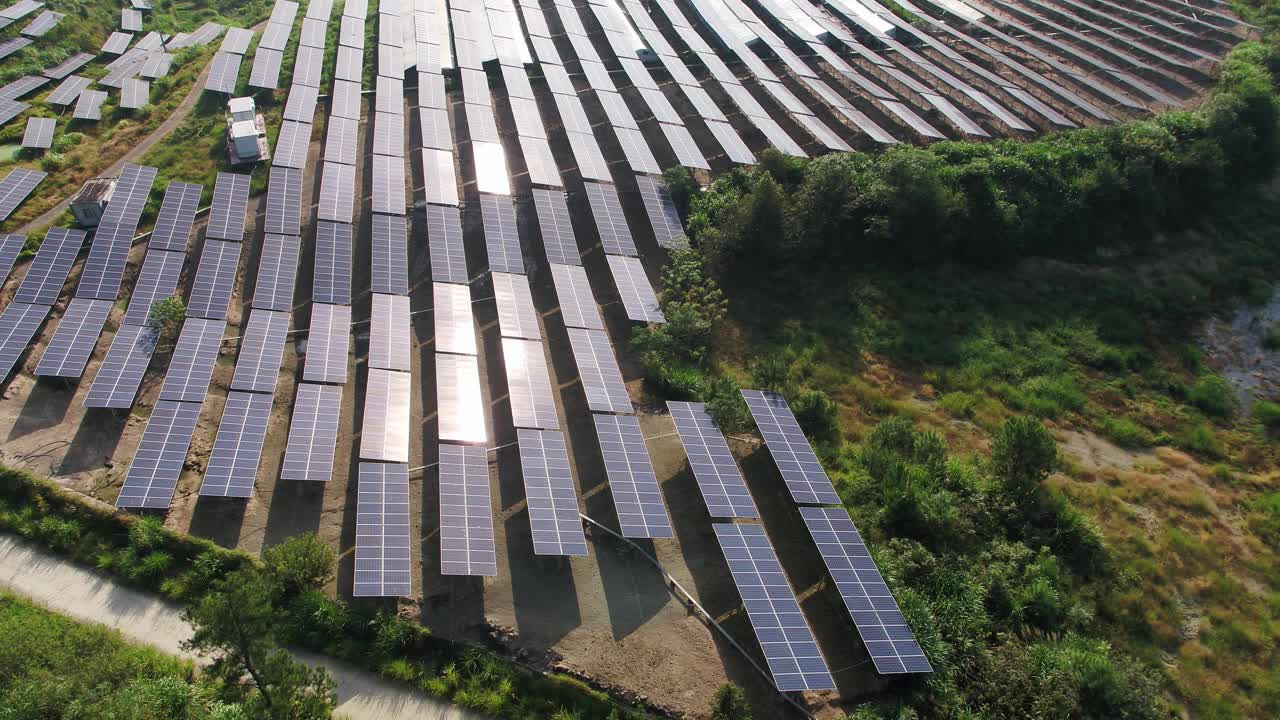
(461, 408)
(491, 168)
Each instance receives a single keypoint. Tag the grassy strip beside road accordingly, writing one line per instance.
(190, 570)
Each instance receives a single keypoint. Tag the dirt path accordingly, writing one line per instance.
(144, 618)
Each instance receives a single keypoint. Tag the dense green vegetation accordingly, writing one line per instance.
(283, 599)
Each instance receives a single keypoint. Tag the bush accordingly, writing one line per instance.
(1200, 440)
(300, 563)
(1126, 433)
(730, 703)
(818, 416)
(1267, 413)
(1022, 455)
(1271, 338)
(1213, 395)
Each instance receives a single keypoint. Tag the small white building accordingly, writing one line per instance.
(241, 108)
(246, 132)
(88, 204)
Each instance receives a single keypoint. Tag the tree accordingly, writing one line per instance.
(681, 185)
(235, 623)
(303, 562)
(167, 315)
(730, 704)
(1022, 455)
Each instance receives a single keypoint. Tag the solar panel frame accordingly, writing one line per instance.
(390, 244)
(328, 344)
(229, 208)
(277, 273)
(301, 105)
(790, 449)
(529, 390)
(389, 185)
(638, 297)
(340, 140)
(788, 644)
(558, 239)
(389, 344)
(15, 188)
(439, 181)
(214, 280)
(884, 630)
(551, 497)
(307, 66)
(661, 210)
(68, 91)
(292, 145)
(466, 512)
(598, 371)
(460, 408)
(261, 351)
(491, 168)
(502, 239)
(610, 219)
(48, 271)
(332, 283)
(157, 464)
(122, 368)
(237, 449)
(384, 431)
(284, 201)
(637, 498)
(313, 433)
(578, 307)
(194, 355)
(224, 72)
(517, 316)
(719, 480)
(39, 133)
(337, 193)
(176, 217)
(89, 105)
(157, 279)
(382, 560)
(454, 320)
(73, 341)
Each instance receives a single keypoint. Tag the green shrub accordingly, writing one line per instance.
(1044, 396)
(300, 563)
(818, 415)
(1267, 413)
(1213, 395)
(730, 703)
(1126, 433)
(1271, 338)
(959, 404)
(726, 406)
(1201, 440)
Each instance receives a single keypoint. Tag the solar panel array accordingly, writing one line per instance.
(632, 481)
(888, 638)
(194, 355)
(382, 531)
(601, 378)
(158, 461)
(215, 278)
(15, 188)
(72, 343)
(384, 434)
(466, 512)
(803, 474)
(39, 133)
(233, 461)
(788, 644)
(313, 433)
(230, 204)
(717, 475)
(550, 494)
(261, 351)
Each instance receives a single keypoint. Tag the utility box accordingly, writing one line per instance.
(246, 132)
(241, 108)
(88, 204)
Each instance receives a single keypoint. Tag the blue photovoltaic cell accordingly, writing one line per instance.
(632, 481)
(153, 474)
(158, 279)
(714, 469)
(277, 272)
(48, 270)
(790, 449)
(466, 512)
(550, 494)
(233, 462)
(889, 640)
(19, 323)
(382, 531)
(261, 350)
(313, 433)
(193, 357)
(789, 647)
(75, 338)
(122, 369)
(328, 341)
(215, 278)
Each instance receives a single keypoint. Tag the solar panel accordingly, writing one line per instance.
(39, 132)
(639, 156)
(284, 12)
(292, 145)
(529, 384)
(313, 433)
(540, 163)
(19, 323)
(516, 314)
(611, 222)
(516, 82)
(333, 264)
(261, 351)
(223, 73)
(10, 247)
(156, 65)
(122, 369)
(131, 20)
(230, 203)
(15, 188)
(444, 234)
(390, 60)
(384, 434)
(661, 209)
(68, 66)
(558, 239)
(466, 512)
(130, 195)
(460, 408)
(788, 644)
(390, 271)
(89, 105)
(550, 494)
(686, 150)
(48, 270)
(454, 323)
(307, 66)
(22, 86)
(734, 147)
(382, 532)
(345, 100)
(431, 93)
(481, 125)
(577, 303)
(68, 91)
(233, 462)
(215, 277)
(388, 185)
(328, 341)
(284, 201)
(116, 43)
(598, 369)
(633, 285)
(13, 45)
(301, 105)
(194, 355)
(389, 332)
(176, 217)
(434, 127)
(356, 8)
(351, 32)
(158, 461)
(275, 36)
(313, 33)
(236, 40)
(598, 77)
(491, 168)
(388, 134)
(389, 32)
(717, 475)
(340, 141)
(440, 185)
(790, 449)
(349, 66)
(337, 192)
(632, 481)
(888, 638)
(320, 10)
(388, 96)
(73, 341)
(502, 240)
(158, 279)
(277, 272)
